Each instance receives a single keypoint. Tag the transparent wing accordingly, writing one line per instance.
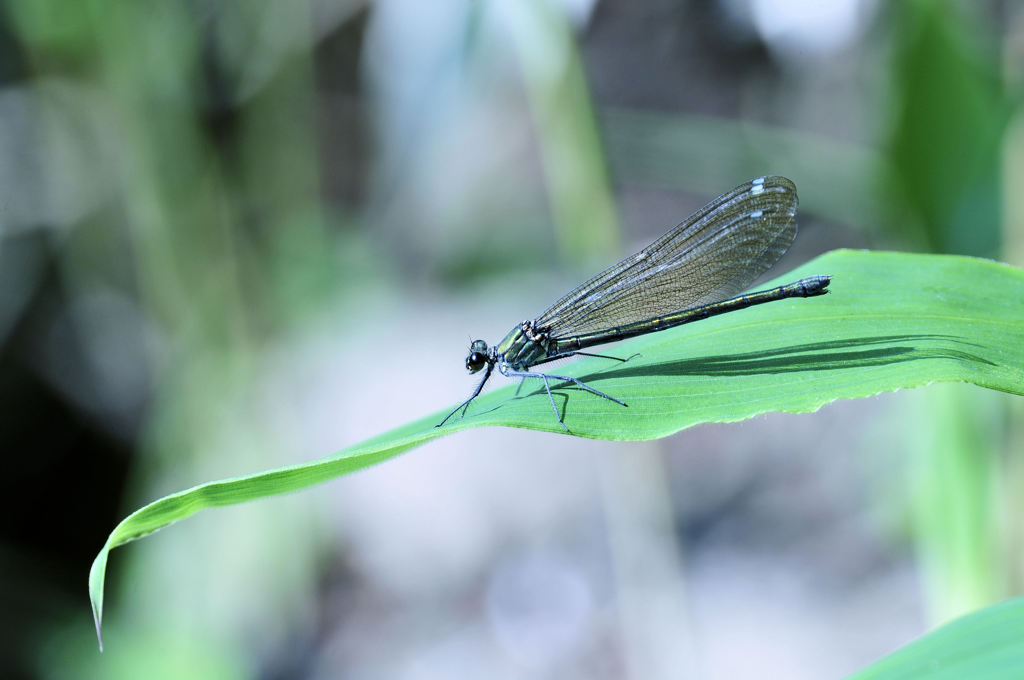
(714, 254)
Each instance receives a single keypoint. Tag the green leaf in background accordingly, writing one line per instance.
(946, 141)
(891, 321)
(983, 645)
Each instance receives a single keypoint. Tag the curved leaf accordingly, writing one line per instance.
(891, 321)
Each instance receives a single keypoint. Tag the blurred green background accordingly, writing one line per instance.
(237, 235)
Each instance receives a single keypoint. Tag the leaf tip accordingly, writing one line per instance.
(97, 617)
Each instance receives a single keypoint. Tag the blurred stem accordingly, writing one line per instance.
(955, 499)
(1013, 253)
(172, 189)
(647, 556)
(1013, 199)
(570, 146)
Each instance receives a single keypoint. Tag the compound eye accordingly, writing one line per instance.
(475, 361)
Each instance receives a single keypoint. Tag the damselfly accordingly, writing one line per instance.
(694, 271)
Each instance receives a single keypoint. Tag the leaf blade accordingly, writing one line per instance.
(892, 321)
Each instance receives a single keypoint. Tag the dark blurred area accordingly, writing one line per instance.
(238, 235)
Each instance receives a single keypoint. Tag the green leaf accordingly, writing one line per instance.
(891, 321)
(950, 117)
(984, 644)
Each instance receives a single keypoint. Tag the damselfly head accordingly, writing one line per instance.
(477, 358)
